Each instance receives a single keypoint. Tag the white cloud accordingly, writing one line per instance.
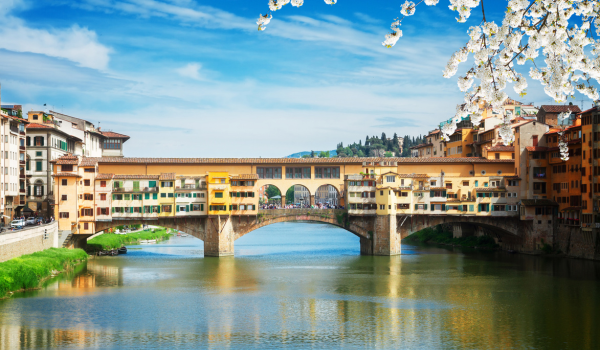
(76, 44)
(191, 70)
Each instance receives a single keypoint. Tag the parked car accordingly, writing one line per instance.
(30, 221)
(17, 223)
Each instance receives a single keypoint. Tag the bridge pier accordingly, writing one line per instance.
(384, 240)
(219, 236)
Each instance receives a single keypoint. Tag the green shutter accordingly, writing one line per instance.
(471, 207)
(425, 206)
(29, 190)
(443, 193)
(443, 207)
(195, 195)
(152, 184)
(154, 195)
(146, 195)
(177, 208)
(432, 206)
(136, 185)
(430, 193)
(416, 206)
(187, 207)
(202, 207)
(113, 209)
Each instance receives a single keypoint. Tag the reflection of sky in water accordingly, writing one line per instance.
(306, 286)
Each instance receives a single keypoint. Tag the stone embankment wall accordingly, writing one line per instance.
(577, 243)
(29, 240)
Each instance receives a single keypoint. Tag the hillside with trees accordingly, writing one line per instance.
(383, 146)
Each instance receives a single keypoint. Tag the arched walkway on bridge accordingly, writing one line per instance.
(298, 196)
(269, 194)
(328, 195)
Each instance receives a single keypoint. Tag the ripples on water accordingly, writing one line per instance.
(306, 286)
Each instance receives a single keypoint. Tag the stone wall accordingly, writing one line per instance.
(28, 240)
(576, 243)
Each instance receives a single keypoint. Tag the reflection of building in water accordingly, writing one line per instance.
(105, 276)
(21, 337)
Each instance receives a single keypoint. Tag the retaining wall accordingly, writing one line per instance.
(28, 240)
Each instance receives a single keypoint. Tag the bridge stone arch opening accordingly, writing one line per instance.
(270, 194)
(328, 195)
(298, 196)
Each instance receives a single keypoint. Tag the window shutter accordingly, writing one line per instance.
(113, 209)
(416, 206)
(430, 193)
(425, 206)
(177, 208)
(97, 211)
(195, 195)
(187, 208)
(432, 206)
(443, 207)
(202, 207)
(42, 190)
(443, 193)
(42, 140)
(29, 190)
(471, 207)
(28, 141)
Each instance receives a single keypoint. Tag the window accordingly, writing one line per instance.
(166, 208)
(68, 167)
(381, 207)
(38, 154)
(433, 182)
(465, 183)
(102, 196)
(63, 197)
(327, 172)
(102, 211)
(63, 215)
(166, 184)
(87, 212)
(269, 173)
(390, 179)
(86, 182)
(64, 182)
(102, 183)
(112, 144)
(117, 197)
(297, 173)
(218, 194)
(88, 197)
(449, 185)
(38, 166)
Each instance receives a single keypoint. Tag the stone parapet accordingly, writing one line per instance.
(29, 240)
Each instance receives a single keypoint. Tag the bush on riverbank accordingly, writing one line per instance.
(439, 236)
(108, 241)
(27, 271)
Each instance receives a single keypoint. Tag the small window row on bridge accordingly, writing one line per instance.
(298, 172)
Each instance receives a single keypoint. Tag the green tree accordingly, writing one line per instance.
(272, 191)
(289, 195)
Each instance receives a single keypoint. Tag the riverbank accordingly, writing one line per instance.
(438, 236)
(29, 271)
(109, 241)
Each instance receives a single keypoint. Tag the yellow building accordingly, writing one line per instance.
(457, 144)
(219, 200)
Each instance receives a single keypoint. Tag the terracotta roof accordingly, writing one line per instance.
(348, 160)
(66, 159)
(502, 149)
(245, 177)
(16, 118)
(560, 108)
(434, 132)
(490, 189)
(66, 175)
(130, 177)
(536, 148)
(589, 110)
(104, 176)
(541, 202)
(114, 135)
(421, 145)
(38, 126)
(167, 176)
(87, 162)
(414, 176)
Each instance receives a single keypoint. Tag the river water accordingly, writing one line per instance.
(306, 286)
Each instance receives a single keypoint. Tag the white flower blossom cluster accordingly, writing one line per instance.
(561, 31)
(562, 144)
(263, 21)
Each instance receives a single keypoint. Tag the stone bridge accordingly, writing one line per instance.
(379, 234)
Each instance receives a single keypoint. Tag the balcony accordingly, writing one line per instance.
(14, 129)
(539, 176)
(191, 187)
(22, 175)
(134, 189)
(22, 162)
(22, 148)
(22, 190)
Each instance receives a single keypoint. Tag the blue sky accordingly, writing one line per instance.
(189, 78)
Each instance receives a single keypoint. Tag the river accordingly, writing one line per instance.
(301, 285)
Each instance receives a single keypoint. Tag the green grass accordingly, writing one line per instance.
(108, 241)
(437, 235)
(26, 271)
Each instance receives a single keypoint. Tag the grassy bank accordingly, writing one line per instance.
(28, 271)
(108, 241)
(439, 236)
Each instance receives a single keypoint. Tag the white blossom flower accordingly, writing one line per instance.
(297, 3)
(431, 2)
(408, 8)
(263, 21)
(391, 39)
(330, 2)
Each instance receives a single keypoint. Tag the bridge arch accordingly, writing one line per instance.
(263, 192)
(298, 193)
(337, 218)
(192, 226)
(328, 194)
